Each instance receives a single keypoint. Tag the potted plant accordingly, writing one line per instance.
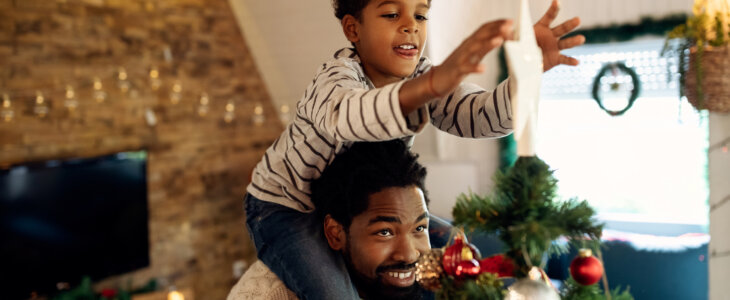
(704, 39)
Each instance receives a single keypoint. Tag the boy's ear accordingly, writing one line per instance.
(335, 233)
(350, 28)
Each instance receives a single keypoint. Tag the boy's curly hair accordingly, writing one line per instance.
(351, 7)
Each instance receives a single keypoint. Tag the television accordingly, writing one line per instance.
(61, 220)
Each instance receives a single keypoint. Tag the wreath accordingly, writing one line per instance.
(614, 67)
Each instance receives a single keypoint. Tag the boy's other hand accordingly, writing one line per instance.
(466, 58)
(549, 39)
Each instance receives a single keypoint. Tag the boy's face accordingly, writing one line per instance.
(390, 37)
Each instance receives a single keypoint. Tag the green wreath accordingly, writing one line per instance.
(634, 92)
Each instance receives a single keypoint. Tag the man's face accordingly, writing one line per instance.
(385, 241)
(391, 37)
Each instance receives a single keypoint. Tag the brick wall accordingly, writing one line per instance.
(198, 167)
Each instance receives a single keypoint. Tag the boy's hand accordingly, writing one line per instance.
(466, 58)
(549, 39)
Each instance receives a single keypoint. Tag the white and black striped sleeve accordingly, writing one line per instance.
(471, 111)
(341, 106)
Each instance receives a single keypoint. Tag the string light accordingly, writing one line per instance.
(99, 94)
(258, 114)
(229, 115)
(155, 81)
(176, 93)
(203, 107)
(284, 114)
(7, 112)
(123, 83)
(70, 103)
(40, 108)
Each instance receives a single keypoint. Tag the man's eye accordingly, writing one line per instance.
(421, 228)
(384, 232)
(390, 16)
(421, 18)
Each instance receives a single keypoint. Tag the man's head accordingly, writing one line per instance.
(389, 35)
(374, 212)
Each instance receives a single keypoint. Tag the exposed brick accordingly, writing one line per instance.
(198, 168)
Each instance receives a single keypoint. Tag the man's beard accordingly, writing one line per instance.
(374, 288)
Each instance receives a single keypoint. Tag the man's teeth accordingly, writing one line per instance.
(407, 47)
(400, 275)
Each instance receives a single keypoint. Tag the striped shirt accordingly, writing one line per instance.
(341, 106)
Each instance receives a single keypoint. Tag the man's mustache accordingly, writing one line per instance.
(398, 266)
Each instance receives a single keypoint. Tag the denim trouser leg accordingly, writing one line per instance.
(292, 245)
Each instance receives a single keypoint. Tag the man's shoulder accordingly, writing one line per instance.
(260, 283)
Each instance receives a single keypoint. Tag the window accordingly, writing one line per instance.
(648, 164)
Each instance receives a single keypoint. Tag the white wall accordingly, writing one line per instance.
(719, 173)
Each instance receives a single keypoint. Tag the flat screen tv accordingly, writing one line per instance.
(61, 220)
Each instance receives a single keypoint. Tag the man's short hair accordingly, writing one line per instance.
(364, 169)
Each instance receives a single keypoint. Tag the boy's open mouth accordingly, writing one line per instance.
(406, 51)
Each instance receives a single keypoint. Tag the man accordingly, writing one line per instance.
(374, 215)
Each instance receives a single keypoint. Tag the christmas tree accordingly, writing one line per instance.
(525, 214)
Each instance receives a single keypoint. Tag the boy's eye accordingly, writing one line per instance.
(384, 232)
(421, 18)
(421, 228)
(390, 16)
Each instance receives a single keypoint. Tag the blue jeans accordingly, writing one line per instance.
(293, 246)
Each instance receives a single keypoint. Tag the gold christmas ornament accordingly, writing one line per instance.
(429, 270)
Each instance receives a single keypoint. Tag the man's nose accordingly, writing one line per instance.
(407, 250)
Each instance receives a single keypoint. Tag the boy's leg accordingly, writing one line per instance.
(292, 245)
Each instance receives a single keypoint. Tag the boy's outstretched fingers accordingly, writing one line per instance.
(550, 39)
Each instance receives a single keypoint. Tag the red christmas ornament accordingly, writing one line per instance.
(460, 251)
(585, 268)
(108, 293)
(499, 264)
(467, 268)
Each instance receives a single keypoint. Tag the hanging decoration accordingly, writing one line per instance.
(229, 115)
(531, 288)
(70, 102)
(155, 81)
(176, 92)
(40, 108)
(203, 106)
(615, 81)
(585, 268)
(99, 94)
(258, 114)
(7, 112)
(284, 115)
(122, 81)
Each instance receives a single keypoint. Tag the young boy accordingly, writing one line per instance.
(382, 89)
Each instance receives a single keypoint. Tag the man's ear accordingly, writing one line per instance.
(351, 28)
(335, 233)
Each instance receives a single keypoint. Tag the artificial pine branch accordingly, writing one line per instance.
(576, 291)
(524, 214)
